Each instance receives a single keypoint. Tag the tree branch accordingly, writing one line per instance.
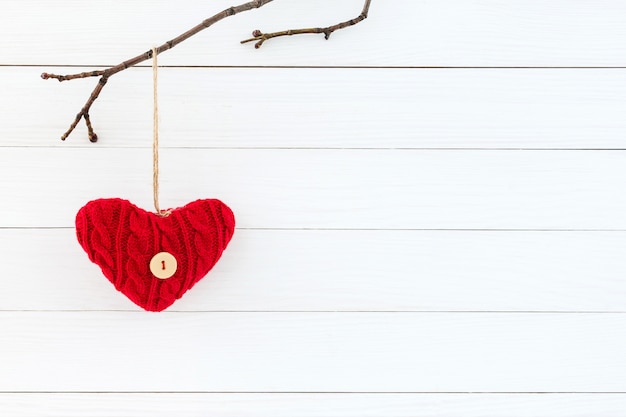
(258, 36)
(261, 37)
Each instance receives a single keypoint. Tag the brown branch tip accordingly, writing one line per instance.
(257, 36)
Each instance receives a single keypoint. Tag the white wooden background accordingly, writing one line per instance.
(431, 210)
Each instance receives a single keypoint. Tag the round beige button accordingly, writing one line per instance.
(163, 265)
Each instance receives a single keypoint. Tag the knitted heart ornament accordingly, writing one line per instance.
(152, 259)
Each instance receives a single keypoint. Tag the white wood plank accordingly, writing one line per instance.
(338, 108)
(309, 405)
(400, 32)
(346, 189)
(269, 270)
(312, 352)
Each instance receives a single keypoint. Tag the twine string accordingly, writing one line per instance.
(155, 137)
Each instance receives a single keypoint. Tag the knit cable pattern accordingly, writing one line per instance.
(122, 238)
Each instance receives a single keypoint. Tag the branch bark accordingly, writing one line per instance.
(257, 36)
(261, 37)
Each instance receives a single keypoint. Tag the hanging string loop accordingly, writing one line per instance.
(155, 137)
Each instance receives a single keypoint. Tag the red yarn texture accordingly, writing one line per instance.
(121, 238)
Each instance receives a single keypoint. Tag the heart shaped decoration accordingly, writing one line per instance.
(154, 260)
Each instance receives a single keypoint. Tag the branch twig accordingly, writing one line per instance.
(258, 36)
(261, 37)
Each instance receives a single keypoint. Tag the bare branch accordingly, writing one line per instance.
(84, 112)
(258, 36)
(45, 75)
(261, 37)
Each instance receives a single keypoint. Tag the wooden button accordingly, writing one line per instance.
(163, 265)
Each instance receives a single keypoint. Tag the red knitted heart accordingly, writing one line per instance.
(122, 239)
